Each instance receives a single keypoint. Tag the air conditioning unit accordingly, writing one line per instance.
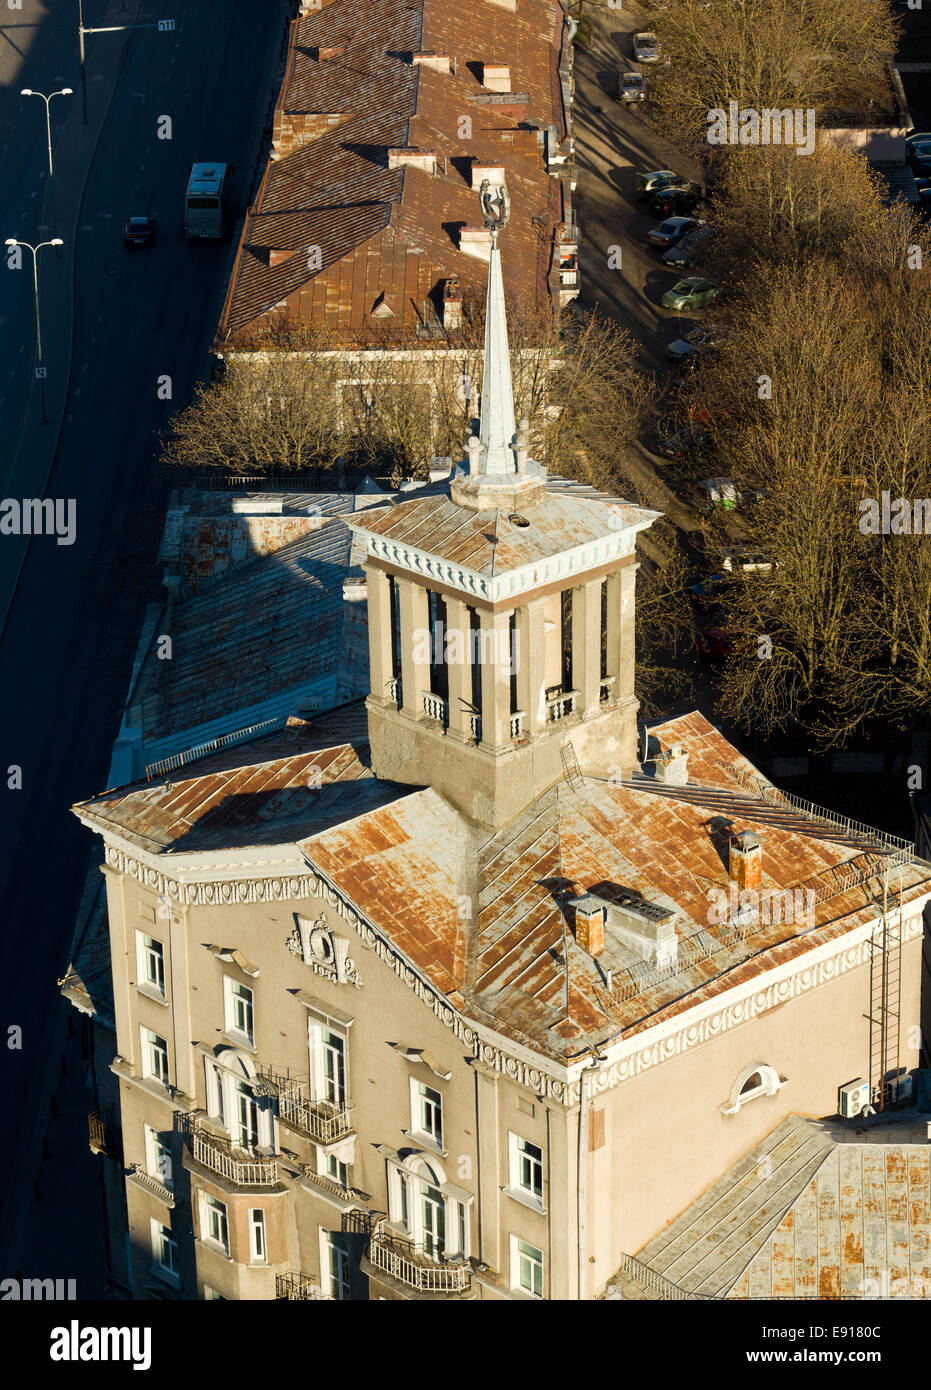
(852, 1097)
(901, 1088)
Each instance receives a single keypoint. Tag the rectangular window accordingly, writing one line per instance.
(239, 1009)
(427, 1116)
(154, 1056)
(432, 1221)
(526, 1268)
(158, 1157)
(334, 1264)
(150, 962)
(164, 1249)
(247, 1117)
(257, 1248)
(334, 1068)
(217, 1226)
(337, 1170)
(526, 1168)
(404, 1201)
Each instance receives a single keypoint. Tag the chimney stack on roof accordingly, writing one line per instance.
(439, 62)
(452, 303)
(413, 158)
(496, 77)
(745, 860)
(589, 924)
(672, 766)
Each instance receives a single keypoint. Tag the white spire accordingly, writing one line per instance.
(498, 427)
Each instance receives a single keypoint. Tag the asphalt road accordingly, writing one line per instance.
(138, 316)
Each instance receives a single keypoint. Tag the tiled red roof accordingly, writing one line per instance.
(391, 235)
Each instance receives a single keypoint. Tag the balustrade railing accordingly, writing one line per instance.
(406, 1262)
(558, 706)
(517, 723)
(606, 689)
(299, 1286)
(321, 1119)
(435, 707)
(238, 1167)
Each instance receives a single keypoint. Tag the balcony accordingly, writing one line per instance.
(517, 724)
(435, 707)
(104, 1134)
(394, 691)
(559, 703)
(299, 1286)
(238, 1167)
(321, 1120)
(404, 1261)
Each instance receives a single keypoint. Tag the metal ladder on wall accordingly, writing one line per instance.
(885, 1002)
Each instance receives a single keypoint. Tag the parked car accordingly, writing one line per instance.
(658, 180)
(139, 231)
(916, 136)
(683, 197)
(683, 252)
(708, 593)
(738, 558)
(919, 157)
(646, 48)
(686, 349)
(691, 293)
(631, 87)
(671, 232)
(719, 492)
(683, 442)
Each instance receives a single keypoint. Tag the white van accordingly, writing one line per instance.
(205, 203)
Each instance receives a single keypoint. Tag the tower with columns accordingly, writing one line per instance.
(501, 613)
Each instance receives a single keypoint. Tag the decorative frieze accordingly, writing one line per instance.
(326, 953)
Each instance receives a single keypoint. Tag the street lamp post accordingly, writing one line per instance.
(65, 92)
(55, 241)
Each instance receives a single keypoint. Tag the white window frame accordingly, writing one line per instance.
(338, 1285)
(235, 1005)
(215, 1212)
(150, 951)
(406, 1196)
(322, 1039)
(150, 1041)
(534, 1258)
(516, 1159)
(421, 1107)
(158, 1159)
(341, 1175)
(161, 1240)
(222, 1082)
(258, 1239)
(770, 1083)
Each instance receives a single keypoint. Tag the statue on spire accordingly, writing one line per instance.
(496, 207)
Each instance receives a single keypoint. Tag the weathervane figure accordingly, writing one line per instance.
(496, 207)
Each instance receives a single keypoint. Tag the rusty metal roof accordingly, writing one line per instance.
(485, 917)
(387, 236)
(811, 1212)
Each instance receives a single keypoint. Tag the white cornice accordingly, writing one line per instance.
(493, 589)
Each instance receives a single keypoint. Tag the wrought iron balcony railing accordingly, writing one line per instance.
(104, 1134)
(299, 1286)
(403, 1260)
(236, 1165)
(322, 1120)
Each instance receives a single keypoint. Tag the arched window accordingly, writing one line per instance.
(754, 1081)
(237, 1102)
(432, 1212)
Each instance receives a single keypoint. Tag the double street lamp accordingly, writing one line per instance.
(55, 241)
(65, 92)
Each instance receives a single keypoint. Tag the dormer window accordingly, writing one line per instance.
(754, 1081)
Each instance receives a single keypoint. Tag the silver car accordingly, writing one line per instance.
(631, 86)
(683, 254)
(646, 48)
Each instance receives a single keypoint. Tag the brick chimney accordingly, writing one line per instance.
(413, 158)
(439, 62)
(494, 173)
(589, 923)
(496, 77)
(745, 860)
(452, 303)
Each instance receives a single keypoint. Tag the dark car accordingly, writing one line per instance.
(658, 181)
(671, 232)
(684, 441)
(139, 231)
(682, 197)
